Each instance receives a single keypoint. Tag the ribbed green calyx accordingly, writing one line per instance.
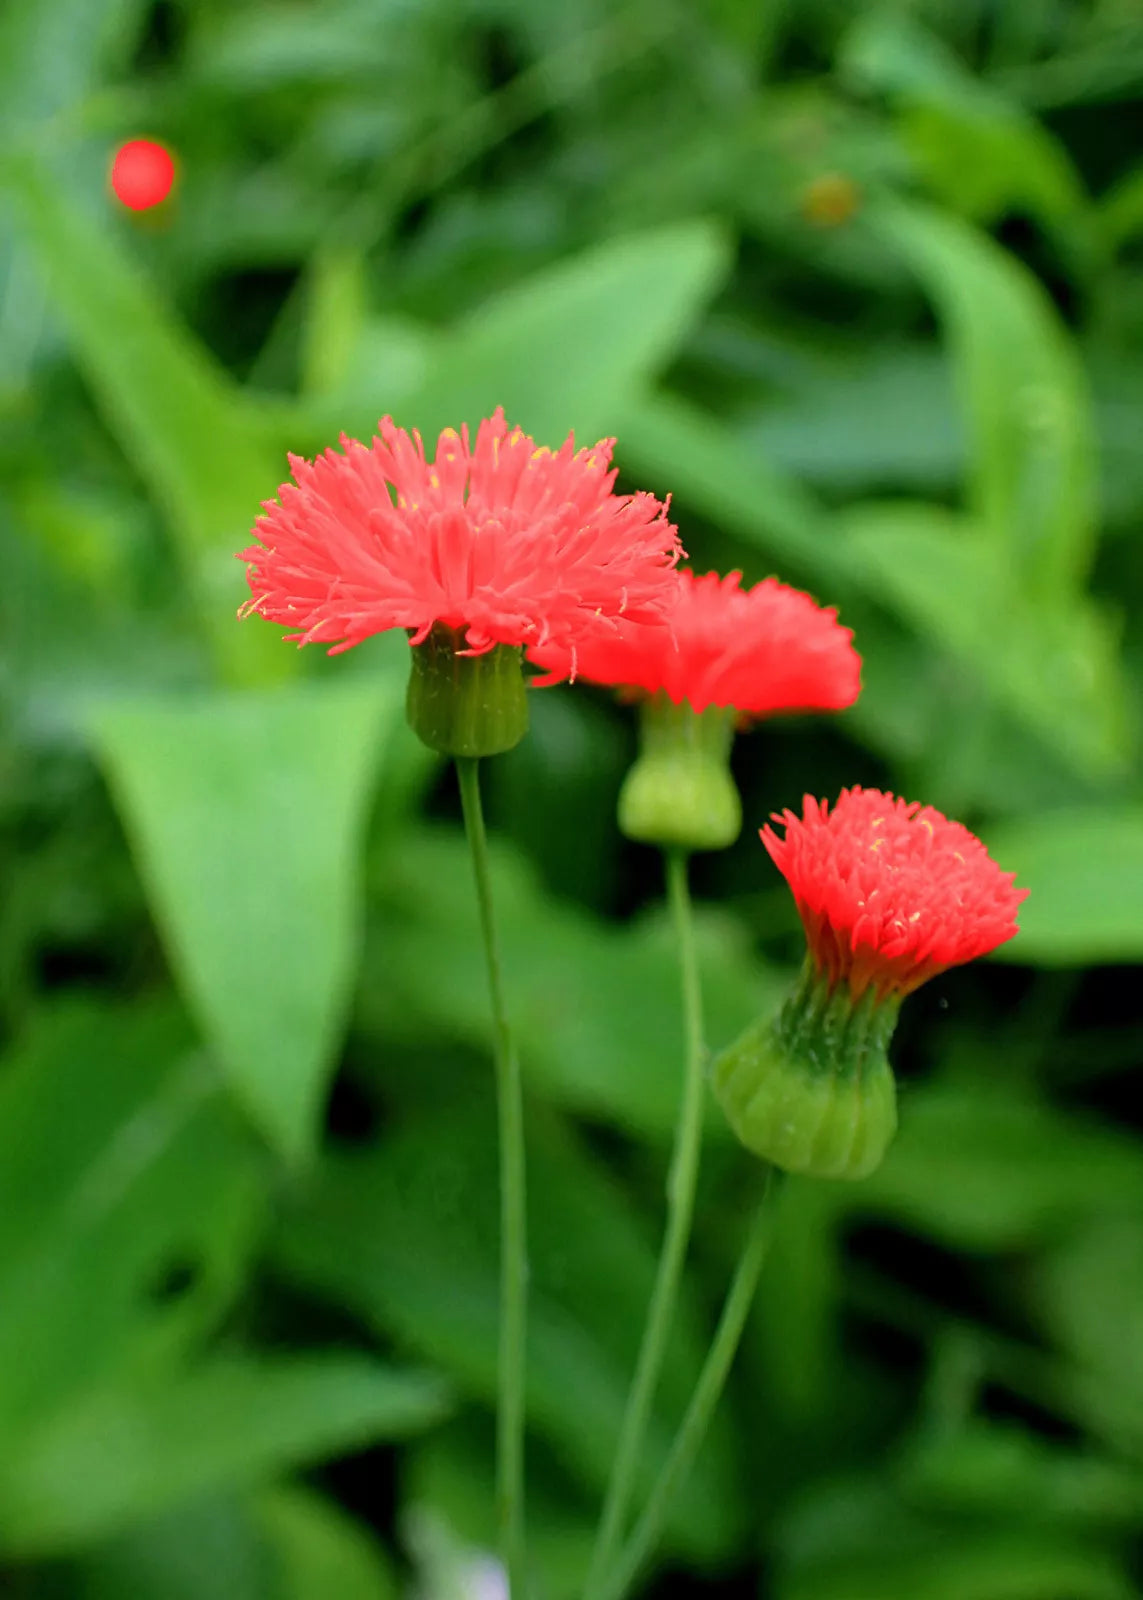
(680, 791)
(466, 705)
(811, 1090)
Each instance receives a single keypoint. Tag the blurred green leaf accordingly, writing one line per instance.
(130, 1200)
(450, 1524)
(1032, 481)
(280, 1543)
(883, 413)
(980, 150)
(605, 321)
(318, 1551)
(199, 445)
(192, 1551)
(957, 1564)
(406, 1235)
(50, 54)
(1054, 664)
(125, 1452)
(1085, 870)
(687, 451)
(997, 1170)
(595, 1009)
(999, 1469)
(246, 814)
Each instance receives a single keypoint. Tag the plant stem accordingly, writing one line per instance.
(513, 1243)
(680, 1210)
(709, 1388)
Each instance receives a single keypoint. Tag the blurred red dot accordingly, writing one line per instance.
(142, 173)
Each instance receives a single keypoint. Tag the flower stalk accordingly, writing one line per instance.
(708, 1391)
(510, 1405)
(681, 1184)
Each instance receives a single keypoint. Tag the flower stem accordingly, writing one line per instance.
(513, 1244)
(709, 1388)
(680, 1210)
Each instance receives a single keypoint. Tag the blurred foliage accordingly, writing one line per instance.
(859, 286)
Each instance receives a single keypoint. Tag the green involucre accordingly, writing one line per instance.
(680, 794)
(465, 705)
(811, 1089)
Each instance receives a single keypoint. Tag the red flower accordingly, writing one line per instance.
(761, 650)
(512, 543)
(891, 892)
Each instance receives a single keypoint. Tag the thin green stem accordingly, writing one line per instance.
(680, 1210)
(708, 1390)
(513, 1242)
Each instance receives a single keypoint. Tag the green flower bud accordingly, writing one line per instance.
(466, 705)
(811, 1090)
(680, 792)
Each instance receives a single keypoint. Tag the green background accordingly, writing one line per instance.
(860, 287)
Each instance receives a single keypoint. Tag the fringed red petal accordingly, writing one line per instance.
(890, 892)
(510, 542)
(762, 650)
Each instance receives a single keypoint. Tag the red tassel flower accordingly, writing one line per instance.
(501, 541)
(891, 892)
(762, 650)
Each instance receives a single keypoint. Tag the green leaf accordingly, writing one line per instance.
(999, 1469)
(125, 1452)
(51, 53)
(1053, 664)
(595, 1009)
(450, 1515)
(671, 442)
(996, 1171)
(246, 814)
(1033, 461)
(320, 1552)
(1085, 869)
(605, 321)
(130, 1200)
(979, 149)
(406, 1235)
(280, 1543)
(199, 445)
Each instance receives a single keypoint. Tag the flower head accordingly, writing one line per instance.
(504, 542)
(891, 892)
(761, 650)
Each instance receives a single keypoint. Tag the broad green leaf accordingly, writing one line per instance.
(450, 1514)
(280, 1543)
(997, 1171)
(1085, 870)
(1000, 1469)
(246, 813)
(318, 1551)
(198, 444)
(569, 347)
(130, 1200)
(406, 1235)
(195, 1550)
(123, 1452)
(1032, 478)
(596, 1009)
(1054, 664)
(1089, 1290)
(682, 449)
(861, 1539)
(979, 149)
(51, 53)
(984, 1564)
(884, 415)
